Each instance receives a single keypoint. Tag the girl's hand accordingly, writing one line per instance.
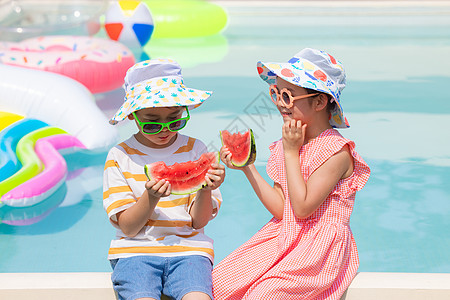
(293, 133)
(225, 157)
(158, 189)
(215, 177)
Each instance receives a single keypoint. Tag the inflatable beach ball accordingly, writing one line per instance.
(129, 22)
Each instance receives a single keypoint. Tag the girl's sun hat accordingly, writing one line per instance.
(311, 69)
(156, 83)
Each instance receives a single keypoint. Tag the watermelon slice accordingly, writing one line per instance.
(241, 145)
(185, 178)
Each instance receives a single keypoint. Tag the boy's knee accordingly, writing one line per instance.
(195, 296)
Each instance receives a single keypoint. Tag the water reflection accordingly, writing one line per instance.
(84, 167)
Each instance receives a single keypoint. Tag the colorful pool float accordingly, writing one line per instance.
(99, 64)
(36, 185)
(31, 164)
(58, 101)
(54, 172)
(31, 168)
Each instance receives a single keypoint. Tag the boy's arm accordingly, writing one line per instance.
(202, 209)
(134, 218)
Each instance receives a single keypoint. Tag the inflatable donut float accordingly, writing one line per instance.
(99, 64)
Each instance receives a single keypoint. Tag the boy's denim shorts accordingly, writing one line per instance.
(147, 276)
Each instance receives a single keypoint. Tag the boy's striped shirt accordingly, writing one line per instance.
(169, 231)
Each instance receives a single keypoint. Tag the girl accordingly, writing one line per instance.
(307, 250)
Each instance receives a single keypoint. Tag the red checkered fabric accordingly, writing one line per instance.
(312, 258)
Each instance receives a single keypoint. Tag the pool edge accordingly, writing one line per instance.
(97, 285)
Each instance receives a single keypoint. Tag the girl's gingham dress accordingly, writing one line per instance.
(312, 258)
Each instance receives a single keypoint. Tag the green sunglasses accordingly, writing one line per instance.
(156, 127)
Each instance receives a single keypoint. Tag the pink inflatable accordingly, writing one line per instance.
(99, 64)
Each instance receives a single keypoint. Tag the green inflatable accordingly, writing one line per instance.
(189, 52)
(186, 18)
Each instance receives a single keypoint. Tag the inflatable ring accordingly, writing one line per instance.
(50, 179)
(57, 100)
(186, 18)
(31, 164)
(9, 138)
(99, 64)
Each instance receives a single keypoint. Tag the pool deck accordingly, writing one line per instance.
(97, 286)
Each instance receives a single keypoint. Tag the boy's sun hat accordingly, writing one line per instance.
(156, 83)
(311, 69)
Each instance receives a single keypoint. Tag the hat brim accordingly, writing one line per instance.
(269, 71)
(165, 97)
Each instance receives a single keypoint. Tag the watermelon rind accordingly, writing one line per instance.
(251, 156)
(186, 191)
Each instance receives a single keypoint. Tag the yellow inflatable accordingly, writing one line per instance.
(7, 119)
(186, 18)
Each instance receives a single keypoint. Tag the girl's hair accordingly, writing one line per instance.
(330, 105)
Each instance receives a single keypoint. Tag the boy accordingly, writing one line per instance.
(160, 245)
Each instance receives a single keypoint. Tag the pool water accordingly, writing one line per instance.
(396, 101)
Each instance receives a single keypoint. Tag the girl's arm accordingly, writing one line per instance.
(202, 209)
(271, 197)
(307, 197)
(134, 218)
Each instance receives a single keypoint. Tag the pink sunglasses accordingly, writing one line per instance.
(286, 96)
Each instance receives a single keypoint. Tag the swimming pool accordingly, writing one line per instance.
(396, 58)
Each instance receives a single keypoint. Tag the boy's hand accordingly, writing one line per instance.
(215, 176)
(158, 189)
